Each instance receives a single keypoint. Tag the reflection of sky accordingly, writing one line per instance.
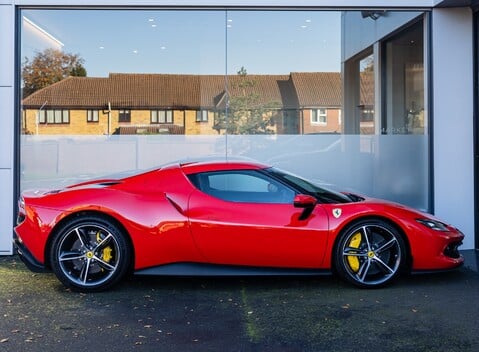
(266, 42)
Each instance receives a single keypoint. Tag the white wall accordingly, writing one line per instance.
(6, 125)
(452, 64)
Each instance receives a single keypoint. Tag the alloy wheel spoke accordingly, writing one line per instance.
(85, 270)
(80, 236)
(68, 256)
(363, 270)
(104, 264)
(366, 233)
(387, 245)
(104, 242)
(356, 252)
(383, 265)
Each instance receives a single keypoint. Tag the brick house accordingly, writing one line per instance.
(182, 104)
(319, 101)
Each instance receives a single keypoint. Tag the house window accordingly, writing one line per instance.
(318, 116)
(54, 116)
(161, 116)
(202, 116)
(92, 115)
(124, 116)
(367, 113)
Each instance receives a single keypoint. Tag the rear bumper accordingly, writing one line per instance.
(27, 258)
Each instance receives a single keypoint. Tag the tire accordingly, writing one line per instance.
(370, 253)
(90, 254)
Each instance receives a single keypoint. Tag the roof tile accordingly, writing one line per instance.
(146, 91)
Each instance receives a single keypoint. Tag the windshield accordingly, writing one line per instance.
(323, 195)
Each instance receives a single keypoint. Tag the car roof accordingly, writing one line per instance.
(208, 166)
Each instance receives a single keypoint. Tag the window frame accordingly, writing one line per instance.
(49, 117)
(124, 116)
(317, 115)
(202, 115)
(167, 116)
(93, 116)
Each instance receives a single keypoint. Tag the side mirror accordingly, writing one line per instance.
(305, 202)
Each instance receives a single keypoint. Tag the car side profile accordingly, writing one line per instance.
(224, 218)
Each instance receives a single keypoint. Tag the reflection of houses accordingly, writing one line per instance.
(319, 99)
(182, 104)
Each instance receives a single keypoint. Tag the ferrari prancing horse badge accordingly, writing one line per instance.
(337, 212)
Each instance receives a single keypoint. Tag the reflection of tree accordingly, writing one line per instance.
(367, 64)
(246, 111)
(48, 67)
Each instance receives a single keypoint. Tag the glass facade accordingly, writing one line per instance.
(276, 86)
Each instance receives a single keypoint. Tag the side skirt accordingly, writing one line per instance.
(200, 269)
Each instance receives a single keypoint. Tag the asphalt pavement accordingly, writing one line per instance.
(428, 312)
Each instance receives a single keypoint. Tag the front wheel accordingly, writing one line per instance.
(89, 254)
(369, 253)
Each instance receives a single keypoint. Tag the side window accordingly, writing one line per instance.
(243, 186)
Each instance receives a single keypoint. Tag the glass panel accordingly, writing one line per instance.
(404, 72)
(238, 182)
(366, 95)
(246, 187)
(42, 116)
(58, 114)
(282, 67)
(50, 116)
(66, 116)
(161, 68)
(266, 85)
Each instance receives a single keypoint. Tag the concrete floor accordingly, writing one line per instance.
(433, 312)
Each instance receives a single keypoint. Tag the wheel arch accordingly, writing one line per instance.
(408, 262)
(83, 213)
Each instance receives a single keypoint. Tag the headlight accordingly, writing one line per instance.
(433, 224)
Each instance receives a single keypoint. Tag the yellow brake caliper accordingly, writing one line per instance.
(353, 261)
(106, 253)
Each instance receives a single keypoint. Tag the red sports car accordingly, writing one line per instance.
(224, 218)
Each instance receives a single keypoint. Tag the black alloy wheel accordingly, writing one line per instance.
(370, 253)
(90, 254)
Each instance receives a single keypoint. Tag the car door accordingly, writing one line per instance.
(245, 217)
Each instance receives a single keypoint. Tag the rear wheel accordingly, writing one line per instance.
(90, 254)
(370, 253)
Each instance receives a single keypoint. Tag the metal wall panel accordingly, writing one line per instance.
(242, 3)
(6, 124)
(6, 45)
(6, 127)
(453, 101)
(6, 211)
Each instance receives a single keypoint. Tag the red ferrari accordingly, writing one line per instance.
(224, 218)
